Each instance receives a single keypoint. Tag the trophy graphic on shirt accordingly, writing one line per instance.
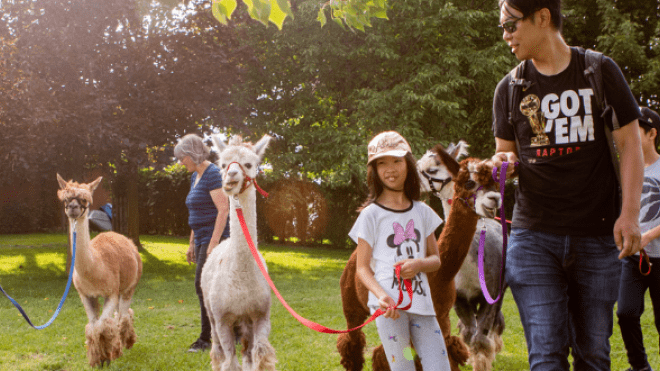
(530, 106)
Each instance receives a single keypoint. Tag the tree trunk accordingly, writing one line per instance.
(125, 213)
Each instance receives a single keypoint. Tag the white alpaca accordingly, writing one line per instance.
(236, 295)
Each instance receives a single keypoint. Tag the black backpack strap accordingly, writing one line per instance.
(594, 74)
(516, 80)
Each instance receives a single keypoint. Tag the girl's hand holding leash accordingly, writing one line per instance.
(409, 268)
(388, 305)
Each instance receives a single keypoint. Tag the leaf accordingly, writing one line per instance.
(259, 10)
(381, 13)
(218, 12)
(277, 14)
(339, 22)
(322, 18)
(286, 7)
(229, 5)
(250, 5)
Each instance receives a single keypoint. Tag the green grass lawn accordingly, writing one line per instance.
(32, 271)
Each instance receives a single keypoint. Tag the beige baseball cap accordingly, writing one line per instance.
(387, 143)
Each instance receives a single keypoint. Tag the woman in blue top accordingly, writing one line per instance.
(208, 209)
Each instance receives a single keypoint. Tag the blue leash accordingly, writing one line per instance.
(66, 292)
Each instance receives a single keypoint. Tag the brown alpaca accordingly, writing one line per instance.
(481, 323)
(108, 266)
(453, 245)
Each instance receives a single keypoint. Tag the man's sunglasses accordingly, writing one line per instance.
(510, 26)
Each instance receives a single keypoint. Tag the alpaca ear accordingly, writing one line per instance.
(61, 181)
(93, 185)
(261, 145)
(448, 160)
(458, 150)
(218, 143)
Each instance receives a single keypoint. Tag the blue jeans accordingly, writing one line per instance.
(631, 306)
(200, 255)
(565, 288)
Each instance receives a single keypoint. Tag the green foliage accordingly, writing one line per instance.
(428, 71)
(275, 11)
(162, 205)
(351, 13)
(627, 31)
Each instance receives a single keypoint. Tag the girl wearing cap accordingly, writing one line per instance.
(395, 229)
(208, 209)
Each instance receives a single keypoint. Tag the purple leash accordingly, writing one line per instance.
(482, 240)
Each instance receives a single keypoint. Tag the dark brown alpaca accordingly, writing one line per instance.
(453, 246)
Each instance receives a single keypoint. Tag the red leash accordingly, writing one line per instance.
(310, 324)
(644, 256)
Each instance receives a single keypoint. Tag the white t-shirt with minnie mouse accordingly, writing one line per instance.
(396, 235)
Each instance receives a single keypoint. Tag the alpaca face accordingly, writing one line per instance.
(76, 197)
(238, 162)
(434, 175)
(475, 181)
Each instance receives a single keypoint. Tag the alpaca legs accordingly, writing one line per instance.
(102, 340)
(217, 355)
(259, 351)
(468, 323)
(456, 348)
(103, 344)
(351, 345)
(91, 306)
(479, 322)
(126, 330)
(100, 333)
(228, 348)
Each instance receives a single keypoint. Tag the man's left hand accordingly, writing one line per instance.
(627, 236)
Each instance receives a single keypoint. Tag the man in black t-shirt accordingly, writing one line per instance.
(568, 232)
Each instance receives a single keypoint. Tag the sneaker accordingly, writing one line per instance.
(199, 346)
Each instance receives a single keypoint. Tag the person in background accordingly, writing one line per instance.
(634, 282)
(208, 209)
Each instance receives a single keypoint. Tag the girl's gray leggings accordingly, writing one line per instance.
(423, 332)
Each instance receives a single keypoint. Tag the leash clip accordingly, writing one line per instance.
(237, 202)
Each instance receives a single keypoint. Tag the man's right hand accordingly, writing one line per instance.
(501, 157)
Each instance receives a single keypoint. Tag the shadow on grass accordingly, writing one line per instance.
(153, 267)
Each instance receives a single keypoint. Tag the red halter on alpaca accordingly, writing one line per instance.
(248, 180)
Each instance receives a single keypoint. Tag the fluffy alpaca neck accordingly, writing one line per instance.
(248, 202)
(454, 242)
(84, 257)
(446, 207)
